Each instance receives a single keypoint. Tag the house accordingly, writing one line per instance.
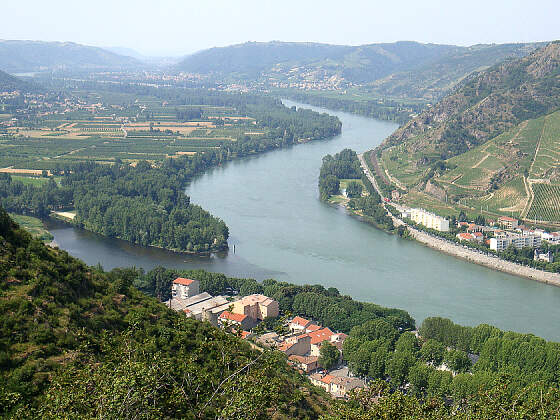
(317, 338)
(342, 385)
(478, 236)
(299, 324)
(324, 381)
(183, 288)
(244, 322)
(306, 363)
(257, 307)
(508, 222)
(299, 345)
(200, 310)
(464, 236)
(544, 256)
(313, 327)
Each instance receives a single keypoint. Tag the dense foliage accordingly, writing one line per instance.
(76, 342)
(449, 361)
(343, 165)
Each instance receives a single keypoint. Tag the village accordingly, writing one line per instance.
(498, 235)
(303, 341)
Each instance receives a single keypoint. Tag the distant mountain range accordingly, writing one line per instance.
(400, 69)
(30, 56)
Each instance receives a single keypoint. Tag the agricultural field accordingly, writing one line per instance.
(511, 199)
(546, 203)
(110, 127)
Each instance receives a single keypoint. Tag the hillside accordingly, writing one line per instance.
(10, 83)
(399, 70)
(28, 56)
(449, 142)
(357, 64)
(432, 80)
(77, 342)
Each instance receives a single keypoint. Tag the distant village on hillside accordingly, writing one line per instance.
(301, 340)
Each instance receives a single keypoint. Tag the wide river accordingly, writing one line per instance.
(281, 230)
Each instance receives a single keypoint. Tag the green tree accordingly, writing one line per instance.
(432, 351)
(328, 355)
(354, 189)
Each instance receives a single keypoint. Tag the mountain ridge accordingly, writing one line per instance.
(17, 56)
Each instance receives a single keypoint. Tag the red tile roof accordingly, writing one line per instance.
(313, 327)
(232, 317)
(327, 379)
(507, 219)
(298, 320)
(183, 281)
(320, 335)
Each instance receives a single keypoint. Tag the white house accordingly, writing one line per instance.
(184, 288)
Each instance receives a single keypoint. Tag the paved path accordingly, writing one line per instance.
(459, 251)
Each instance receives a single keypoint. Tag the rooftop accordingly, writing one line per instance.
(233, 317)
(183, 281)
(298, 320)
(320, 335)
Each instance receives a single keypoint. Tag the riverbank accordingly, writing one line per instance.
(465, 253)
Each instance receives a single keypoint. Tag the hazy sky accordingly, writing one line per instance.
(174, 27)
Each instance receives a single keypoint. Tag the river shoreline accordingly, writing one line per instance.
(463, 253)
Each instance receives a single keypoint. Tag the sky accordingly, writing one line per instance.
(175, 27)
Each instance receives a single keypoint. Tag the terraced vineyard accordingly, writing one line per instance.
(546, 203)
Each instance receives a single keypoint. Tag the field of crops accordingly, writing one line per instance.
(546, 204)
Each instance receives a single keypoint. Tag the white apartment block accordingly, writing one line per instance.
(430, 220)
(503, 240)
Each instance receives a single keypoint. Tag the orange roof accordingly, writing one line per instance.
(478, 234)
(313, 327)
(298, 320)
(466, 236)
(320, 335)
(507, 219)
(327, 379)
(244, 334)
(183, 281)
(232, 317)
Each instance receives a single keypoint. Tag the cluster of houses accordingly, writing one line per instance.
(505, 232)
(510, 233)
(302, 344)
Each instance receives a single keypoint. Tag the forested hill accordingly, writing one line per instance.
(485, 105)
(77, 342)
(28, 56)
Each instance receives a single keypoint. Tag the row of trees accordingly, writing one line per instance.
(378, 350)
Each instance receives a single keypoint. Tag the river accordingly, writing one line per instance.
(281, 230)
